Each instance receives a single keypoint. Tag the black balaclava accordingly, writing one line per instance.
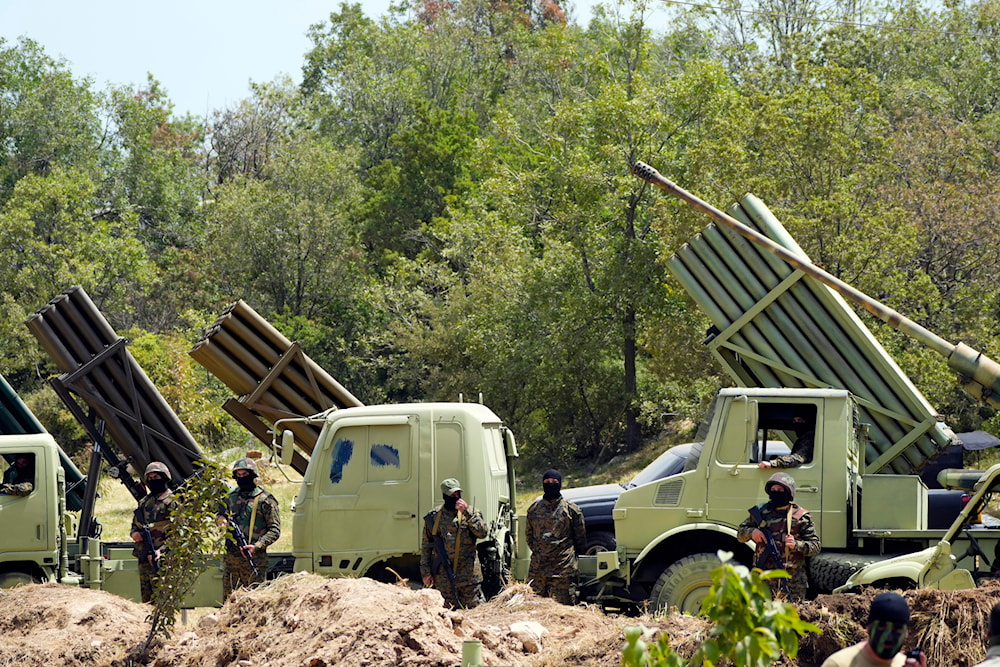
(246, 483)
(779, 498)
(449, 501)
(156, 486)
(552, 489)
(888, 621)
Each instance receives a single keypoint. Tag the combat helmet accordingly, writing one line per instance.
(246, 464)
(156, 466)
(785, 480)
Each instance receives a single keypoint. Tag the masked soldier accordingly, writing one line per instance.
(252, 512)
(150, 524)
(449, 561)
(793, 536)
(556, 535)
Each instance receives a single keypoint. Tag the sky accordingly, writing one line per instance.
(205, 53)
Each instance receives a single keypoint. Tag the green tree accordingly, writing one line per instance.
(50, 240)
(48, 119)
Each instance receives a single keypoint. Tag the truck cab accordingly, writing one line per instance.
(375, 472)
(670, 530)
(31, 524)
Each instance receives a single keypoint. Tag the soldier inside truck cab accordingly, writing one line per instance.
(803, 425)
(19, 478)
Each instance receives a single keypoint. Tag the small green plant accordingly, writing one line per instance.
(194, 535)
(751, 628)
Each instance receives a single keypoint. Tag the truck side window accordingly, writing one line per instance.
(794, 424)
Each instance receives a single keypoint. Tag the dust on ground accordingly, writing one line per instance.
(305, 620)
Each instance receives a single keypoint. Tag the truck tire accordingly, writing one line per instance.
(829, 570)
(599, 541)
(684, 584)
(12, 579)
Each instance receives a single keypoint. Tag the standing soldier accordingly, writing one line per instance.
(251, 513)
(449, 561)
(792, 536)
(149, 525)
(556, 535)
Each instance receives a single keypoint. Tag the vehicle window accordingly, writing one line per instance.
(668, 463)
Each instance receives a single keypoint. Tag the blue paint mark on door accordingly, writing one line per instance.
(385, 455)
(343, 450)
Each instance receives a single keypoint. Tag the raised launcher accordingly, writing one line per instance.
(781, 321)
(99, 372)
(272, 376)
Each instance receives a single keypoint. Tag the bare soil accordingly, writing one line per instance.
(304, 620)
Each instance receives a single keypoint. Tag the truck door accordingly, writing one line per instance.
(736, 481)
(25, 520)
(366, 499)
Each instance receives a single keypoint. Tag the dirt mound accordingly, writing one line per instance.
(305, 620)
(50, 624)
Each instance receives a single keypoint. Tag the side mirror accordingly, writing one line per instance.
(287, 446)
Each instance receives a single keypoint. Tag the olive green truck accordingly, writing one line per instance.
(369, 473)
(782, 329)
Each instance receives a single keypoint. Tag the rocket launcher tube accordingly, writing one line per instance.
(980, 375)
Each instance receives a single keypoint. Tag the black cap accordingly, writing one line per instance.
(889, 607)
(551, 473)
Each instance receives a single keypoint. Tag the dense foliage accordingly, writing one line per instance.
(443, 206)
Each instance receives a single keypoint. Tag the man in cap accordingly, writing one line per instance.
(888, 623)
(252, 513)
(556, 535)
(19, 478)
(792, 536)
(150, 524)
(449, 561)
(993, 640)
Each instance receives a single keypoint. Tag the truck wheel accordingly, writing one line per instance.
(599, 541)
(830, 570)
(12, 579)
(684, 584)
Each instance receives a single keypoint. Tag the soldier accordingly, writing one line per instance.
(19, 479)
(556, 535)
(253, 512)
(152, 517)
(992, 640)
(449, 561)
(888, 624)
(793, 533)
(802, 448)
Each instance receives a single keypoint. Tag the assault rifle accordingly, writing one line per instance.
(770, 548)
(241, 541)
(148, 553)
(441, 557)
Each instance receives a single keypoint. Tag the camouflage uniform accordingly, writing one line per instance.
(802, 452)
(154, 513)
(468, 575)
(18, 482)
(236, 571)
(777, 521)
(556, 534)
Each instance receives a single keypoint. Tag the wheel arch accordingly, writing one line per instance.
(683, 541)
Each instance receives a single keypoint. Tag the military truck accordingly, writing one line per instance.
(369, 475)
(783, 331)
